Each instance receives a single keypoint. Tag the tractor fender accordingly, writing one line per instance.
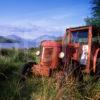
(95, 59)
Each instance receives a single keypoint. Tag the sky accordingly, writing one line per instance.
(33, 18)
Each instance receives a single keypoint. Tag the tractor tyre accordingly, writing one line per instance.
(97, 75)
(26, 70)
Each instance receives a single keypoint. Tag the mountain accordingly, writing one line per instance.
(19, 42)
(35, 42)
(14, 37)
(6, 40)
(44, 37)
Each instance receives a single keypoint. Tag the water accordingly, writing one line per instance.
(16, 45)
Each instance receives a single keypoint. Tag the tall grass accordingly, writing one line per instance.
(39, 88)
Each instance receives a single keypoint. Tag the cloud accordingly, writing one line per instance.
(51, 22)
(29, 32)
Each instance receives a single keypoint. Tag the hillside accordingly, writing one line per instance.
(23, 43)
(6, 40)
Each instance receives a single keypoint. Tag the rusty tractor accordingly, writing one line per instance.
(78, 51)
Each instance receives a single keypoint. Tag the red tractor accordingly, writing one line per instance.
(82, 45)
(50, 59)
(79, 50)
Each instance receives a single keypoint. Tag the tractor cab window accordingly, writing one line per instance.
(96, 37)
(79, 36)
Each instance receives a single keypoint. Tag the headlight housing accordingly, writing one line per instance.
(61, 55)
(37, 53)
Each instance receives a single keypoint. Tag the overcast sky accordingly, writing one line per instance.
(32, 18)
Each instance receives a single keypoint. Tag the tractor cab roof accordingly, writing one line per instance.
(94, 30)
(82, 28)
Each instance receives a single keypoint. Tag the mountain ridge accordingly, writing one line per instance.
(28, 42)
(6, 40)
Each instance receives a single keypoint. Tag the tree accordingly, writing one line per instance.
(95, 14)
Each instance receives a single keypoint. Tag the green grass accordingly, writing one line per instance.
(39, 88)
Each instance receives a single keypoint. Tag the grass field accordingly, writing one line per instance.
(39, 88)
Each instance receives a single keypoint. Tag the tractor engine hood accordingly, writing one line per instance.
(49, 57)
(50, 52)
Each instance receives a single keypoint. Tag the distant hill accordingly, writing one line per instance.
(44, 37)
(6, 40)
(24, 43)
(14, 37)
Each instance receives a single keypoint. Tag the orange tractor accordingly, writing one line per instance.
(78, 51)
(83, 46)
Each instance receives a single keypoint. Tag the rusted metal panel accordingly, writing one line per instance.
(49, 43)
(41, 70)
(79, 28)
(89, 49)
(49, 59)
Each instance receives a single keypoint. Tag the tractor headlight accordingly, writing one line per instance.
(37, 53)
(61, 55)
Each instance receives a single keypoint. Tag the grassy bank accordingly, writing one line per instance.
(38, 88)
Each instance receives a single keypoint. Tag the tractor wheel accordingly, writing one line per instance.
(26, 70)
(98, 67)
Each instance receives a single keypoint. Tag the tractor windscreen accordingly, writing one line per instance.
(79, 36)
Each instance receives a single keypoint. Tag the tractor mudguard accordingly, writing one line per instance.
(95, 59)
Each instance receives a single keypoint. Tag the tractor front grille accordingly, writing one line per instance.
(47, 57)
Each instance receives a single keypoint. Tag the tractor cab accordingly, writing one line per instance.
(50, 57)
(81, 44)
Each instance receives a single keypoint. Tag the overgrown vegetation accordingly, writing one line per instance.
(39, 88)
